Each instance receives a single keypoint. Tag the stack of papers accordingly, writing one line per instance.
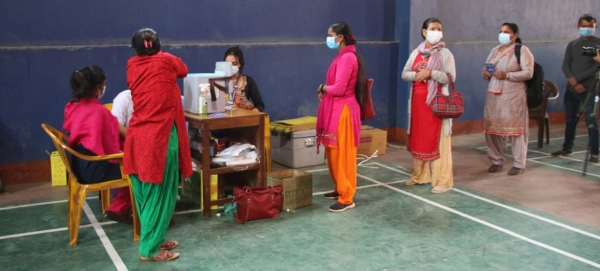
(237, 154)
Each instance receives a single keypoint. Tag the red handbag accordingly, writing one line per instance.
(257, 203)
(451, 106)
(367, 111)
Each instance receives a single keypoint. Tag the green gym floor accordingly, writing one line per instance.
(546, 219)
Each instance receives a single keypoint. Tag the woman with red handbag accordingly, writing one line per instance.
(338, 121)
(429, 136)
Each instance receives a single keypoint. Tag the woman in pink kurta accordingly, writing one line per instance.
(338, 122)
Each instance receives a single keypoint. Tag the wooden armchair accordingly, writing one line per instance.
(539, 113)
(78, 191)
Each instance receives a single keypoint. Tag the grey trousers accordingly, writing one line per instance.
(496, 148)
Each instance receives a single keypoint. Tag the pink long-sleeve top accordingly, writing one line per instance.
(340, 84)
(89, 123)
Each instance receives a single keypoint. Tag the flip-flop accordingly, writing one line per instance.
(169, 245)
(163, 255)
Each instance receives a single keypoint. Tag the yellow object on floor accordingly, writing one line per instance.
(58, 170)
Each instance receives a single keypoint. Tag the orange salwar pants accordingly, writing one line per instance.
(342, 159)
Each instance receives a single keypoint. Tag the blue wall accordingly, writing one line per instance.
(471, 30)
(283, 43)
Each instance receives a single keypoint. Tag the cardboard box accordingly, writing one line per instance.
(297, 187)
(192, 188)
(297, 150)
(58, 170)
(371, 140)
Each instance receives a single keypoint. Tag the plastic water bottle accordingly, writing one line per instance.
(203, 102)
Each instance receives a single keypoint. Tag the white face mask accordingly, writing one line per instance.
(434, 36)
(102, 94)
(235, 69)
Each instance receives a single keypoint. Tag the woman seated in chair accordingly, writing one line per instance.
(245, 93)
(93, 130)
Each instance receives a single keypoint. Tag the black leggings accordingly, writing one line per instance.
(93, 172)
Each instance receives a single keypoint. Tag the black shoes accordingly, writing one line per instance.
(562, 152)
(340, 207)
(331, 195)
(516, 171)
(494, 168)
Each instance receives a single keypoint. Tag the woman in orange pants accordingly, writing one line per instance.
(338, 122)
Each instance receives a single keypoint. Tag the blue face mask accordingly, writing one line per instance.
(586, 31)
(504, 38)
(332, 44)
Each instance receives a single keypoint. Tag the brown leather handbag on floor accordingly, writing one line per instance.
(257, 203)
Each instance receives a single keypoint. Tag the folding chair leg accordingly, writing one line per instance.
(75, 214)
(105, 198)
(135, 215)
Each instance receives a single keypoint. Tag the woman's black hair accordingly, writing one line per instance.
(342, 28)
(515, 29)
(85, 81)
(237, 52)
(426, 24)
(146, 42)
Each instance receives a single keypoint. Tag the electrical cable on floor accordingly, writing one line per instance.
(395, 146)
(366, 158)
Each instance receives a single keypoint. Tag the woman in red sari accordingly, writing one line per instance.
(429, 137)
(157, 151)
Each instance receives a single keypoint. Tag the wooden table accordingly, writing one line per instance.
(243, 121)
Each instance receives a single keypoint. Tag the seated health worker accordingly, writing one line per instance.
(245, 93)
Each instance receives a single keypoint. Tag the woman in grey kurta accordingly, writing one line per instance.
(505, 113)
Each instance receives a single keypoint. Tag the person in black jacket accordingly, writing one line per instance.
(245, 93)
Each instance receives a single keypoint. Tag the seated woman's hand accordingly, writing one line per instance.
(597, 57)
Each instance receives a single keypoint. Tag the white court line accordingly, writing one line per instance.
(565, 168)
(564, 226)
(36, 204)
(314, 194)
(327, 169)
(317, 170)
(50, 230)
(511, 233)
(112, 253)
(360, 187)
(556, 223)
(61, 201)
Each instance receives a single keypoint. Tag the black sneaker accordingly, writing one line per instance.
(331, 195)
(124, 218)
(594, 159)
(562, 152)
(340, 207)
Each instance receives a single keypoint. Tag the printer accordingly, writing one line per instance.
(200, 89)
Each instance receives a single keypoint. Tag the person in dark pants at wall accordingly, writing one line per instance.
(579, 71)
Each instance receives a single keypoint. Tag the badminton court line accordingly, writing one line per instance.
(485, 223)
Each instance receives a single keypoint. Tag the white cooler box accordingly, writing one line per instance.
(300, 150)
